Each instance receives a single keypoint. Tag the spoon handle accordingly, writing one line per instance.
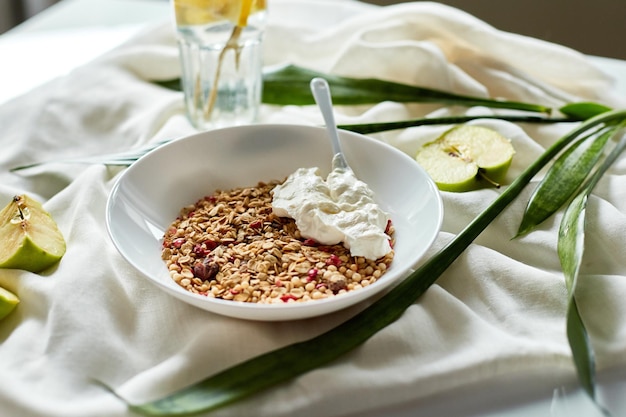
(321, 93)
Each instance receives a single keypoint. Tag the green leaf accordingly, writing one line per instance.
(290, 85)
(125, 158)
(568, 172)
(571, 250)
(173, 84)
(583, 110)
(563, 178)
(272, 368)
(367, 128)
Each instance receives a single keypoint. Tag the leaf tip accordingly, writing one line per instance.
(524, 229)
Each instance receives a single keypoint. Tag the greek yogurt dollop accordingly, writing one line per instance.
(338, 209)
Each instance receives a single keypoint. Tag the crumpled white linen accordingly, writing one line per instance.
(497, 311)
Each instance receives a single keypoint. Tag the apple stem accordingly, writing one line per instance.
(481, 174)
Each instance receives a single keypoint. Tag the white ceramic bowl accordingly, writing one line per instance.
(150, 193)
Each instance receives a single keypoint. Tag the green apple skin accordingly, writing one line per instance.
(498, 173)
(30, 257)
(467, 158)
(8, 302)
(30, 239)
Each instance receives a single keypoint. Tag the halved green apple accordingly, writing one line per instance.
(466, 158)
(8, 302)
(29, 236)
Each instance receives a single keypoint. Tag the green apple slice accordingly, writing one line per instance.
(29, 237)
(8, 301)
(466, 158)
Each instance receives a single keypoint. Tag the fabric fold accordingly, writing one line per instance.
(93, 322)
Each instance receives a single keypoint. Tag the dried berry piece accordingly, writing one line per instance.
(333, 260)
(205, 270)
(286, 297)
(256, 224)
(312, 274)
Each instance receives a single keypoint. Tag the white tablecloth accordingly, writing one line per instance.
(498, 310)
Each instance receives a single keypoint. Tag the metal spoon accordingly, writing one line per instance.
(321, 93)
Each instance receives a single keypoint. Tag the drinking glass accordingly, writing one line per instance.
(220, 47)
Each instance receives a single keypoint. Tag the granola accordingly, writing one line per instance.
(230, 245)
